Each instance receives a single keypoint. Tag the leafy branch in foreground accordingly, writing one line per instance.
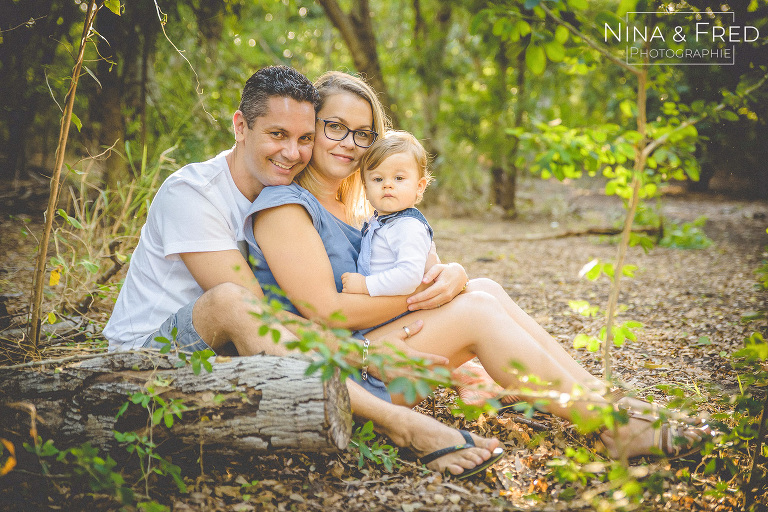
(37, 297)
(376, 452)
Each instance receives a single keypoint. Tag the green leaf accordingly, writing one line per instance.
(523, 27)
(580, 341)
(89, 266)
(113, 5)
(87, 69)
(626, 6)
(627, 108)
(752, 315)
(423, 389)
(196, 366)
(404, 386)
(157, 416)
(70, 220)
(535, 59)
(593, 273)
(619, 335)
(122, 409)
(76, 121)
(499, 27)
(578, 4)
(629, 270)
(555, 51)
(561, 34)
(725, 114)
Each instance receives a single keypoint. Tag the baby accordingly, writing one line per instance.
(397, 239)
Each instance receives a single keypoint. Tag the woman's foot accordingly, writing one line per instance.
(424, 435)
(476, 387)
(646, 434)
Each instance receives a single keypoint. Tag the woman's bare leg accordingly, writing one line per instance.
(476, 323)
(536, 331)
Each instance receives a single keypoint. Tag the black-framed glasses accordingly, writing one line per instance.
(335, 130)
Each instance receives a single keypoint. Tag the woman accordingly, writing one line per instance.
(306, 242)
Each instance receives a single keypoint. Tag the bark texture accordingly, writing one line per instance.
(245, 405)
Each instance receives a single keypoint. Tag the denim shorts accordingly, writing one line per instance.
(372, 385)
(382, 324)
(186, 339)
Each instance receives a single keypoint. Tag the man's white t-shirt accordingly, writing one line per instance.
(197, 209)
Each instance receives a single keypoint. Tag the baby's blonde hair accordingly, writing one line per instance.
(392, 143)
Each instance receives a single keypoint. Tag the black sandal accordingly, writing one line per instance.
(496, 454)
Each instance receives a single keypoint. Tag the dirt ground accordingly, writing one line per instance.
(691, 303)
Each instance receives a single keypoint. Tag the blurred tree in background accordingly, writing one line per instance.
(466, 76)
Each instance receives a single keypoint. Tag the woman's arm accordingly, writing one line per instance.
(297, 258)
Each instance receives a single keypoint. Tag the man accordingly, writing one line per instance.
(188, 273)
(184, 270)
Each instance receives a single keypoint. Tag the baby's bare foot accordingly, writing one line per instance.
(476, 387)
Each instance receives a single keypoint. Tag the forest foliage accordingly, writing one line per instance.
(496, 90)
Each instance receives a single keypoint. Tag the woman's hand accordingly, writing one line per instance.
(395, 341)
(448, 280)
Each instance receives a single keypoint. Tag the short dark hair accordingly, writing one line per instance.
(273, 81)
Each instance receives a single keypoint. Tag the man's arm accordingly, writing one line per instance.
(216, 267)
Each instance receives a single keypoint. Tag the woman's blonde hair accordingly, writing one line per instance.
(392, 143)
(351, 192)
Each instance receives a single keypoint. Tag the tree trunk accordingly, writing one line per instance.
(430, 42)
(245, 405)
(504, 176)
(357, 31)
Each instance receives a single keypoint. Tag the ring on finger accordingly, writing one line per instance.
(407, 331)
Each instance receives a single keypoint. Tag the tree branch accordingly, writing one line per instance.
(653, 145)
(592, 44)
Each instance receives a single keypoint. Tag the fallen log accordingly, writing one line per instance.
(534, 237)
(245, 405)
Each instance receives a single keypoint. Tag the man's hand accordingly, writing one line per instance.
(395, 341)
(353, 283)
(448, 281)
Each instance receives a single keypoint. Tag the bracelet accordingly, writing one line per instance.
(364, 371)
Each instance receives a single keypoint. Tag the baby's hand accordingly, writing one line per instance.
(353, 283)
